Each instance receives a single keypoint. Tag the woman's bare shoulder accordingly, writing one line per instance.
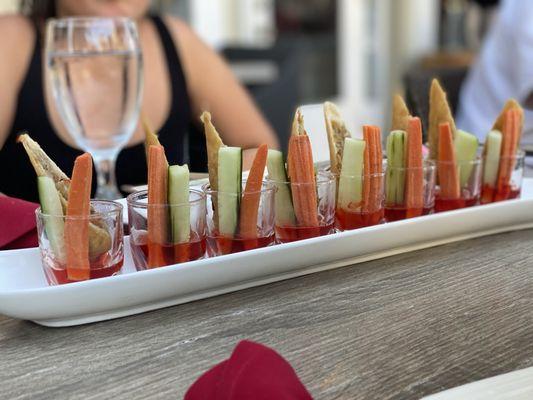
(18, 38)
(17, 25)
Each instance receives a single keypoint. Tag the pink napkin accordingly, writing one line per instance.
(17, 224)
(253, 371)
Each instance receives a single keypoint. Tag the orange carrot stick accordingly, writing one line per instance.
(157, 198)
(414, 179)
(447, 169)
(377, 193)
(373, 158)
(76, 231)
(510, 135)
(303, 183)
(252, 194)
(367, 166)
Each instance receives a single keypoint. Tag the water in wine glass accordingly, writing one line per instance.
(97, 96)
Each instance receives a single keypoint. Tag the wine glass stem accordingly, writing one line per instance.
(106, 188)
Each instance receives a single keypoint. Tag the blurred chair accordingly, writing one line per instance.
(271, 76)
(449, 70)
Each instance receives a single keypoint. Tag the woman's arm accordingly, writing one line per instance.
(213, 87)
(15, 52)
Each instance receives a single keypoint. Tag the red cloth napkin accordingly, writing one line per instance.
(253, 371)
(17, 224)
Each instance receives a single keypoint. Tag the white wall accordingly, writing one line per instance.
(8, 6)
(404, 30)
(243, 22)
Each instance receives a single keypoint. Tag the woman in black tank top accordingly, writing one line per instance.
(180, 133)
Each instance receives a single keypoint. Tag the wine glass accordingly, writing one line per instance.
(94, 68)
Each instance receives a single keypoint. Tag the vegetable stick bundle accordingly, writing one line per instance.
(358, 163)
(168, 205)
(74, 242)
(405, 170)
(501, 147)
(235, 212)
(301, 173)
(296, 198)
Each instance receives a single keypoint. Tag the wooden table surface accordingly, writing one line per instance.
(397, 328)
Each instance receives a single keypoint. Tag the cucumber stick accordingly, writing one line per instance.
(229, 189)
(395, 178)
(465, 145)
(283, 208)
(492, 158)
(54, 223)
(178, 199)
(351, 178)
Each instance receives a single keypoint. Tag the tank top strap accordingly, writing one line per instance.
(177, 76)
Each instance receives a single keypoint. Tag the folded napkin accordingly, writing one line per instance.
(253, 371)
(17, 224)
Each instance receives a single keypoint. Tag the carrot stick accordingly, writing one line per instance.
(414, 180)
(373, 158)
(77, 228)
(367, 166)
(447, 169)
(510, 135)
(252, 194)
(302, 177)
(377, 194)
(157, 198)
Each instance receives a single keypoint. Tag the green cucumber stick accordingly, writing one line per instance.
(229, 189)
(283, 208)
(54, 223)
(465, 145)
(178, 199)
(492, 158)
(395, 178)
(351, 178)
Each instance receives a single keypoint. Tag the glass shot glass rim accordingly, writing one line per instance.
(116, 208)
(326, 170)
(322, 177)
(519, 155)
(427, 166)
(477, 161)
(362, 176)
(132, 201)
(266, 186)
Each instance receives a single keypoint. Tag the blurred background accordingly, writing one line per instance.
(356, 53)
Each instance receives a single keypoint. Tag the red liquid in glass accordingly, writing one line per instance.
(454, 204)
(398, 213)
(172, 253)
(220, 245)
(489, 194)
(347, 220)
(99, 269)
(287, 234)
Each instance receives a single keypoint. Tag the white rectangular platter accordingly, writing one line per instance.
(516, 385)
(25, 294)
